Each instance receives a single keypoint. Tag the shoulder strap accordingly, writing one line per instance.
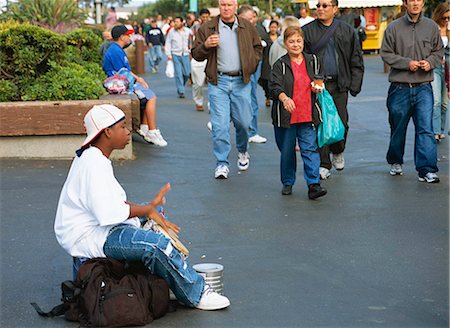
(325, 38)
(56, 311)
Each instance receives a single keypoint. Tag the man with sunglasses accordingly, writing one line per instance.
(412, 47)
(336, 44)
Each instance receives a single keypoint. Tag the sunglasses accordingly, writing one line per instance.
(446, 18)
(324, 6)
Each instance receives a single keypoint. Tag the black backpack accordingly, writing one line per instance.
(109, 293)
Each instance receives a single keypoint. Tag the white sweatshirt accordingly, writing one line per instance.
(91, 202)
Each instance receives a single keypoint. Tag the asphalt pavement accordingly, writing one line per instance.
(374, 252)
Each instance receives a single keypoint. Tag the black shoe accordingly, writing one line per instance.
(181, 95)
(316, 191)
(287, 190)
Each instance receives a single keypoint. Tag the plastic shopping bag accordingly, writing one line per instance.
(116, 84)
(331, 129)
(121, 82)
(170, 70)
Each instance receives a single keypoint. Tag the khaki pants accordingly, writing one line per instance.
(198, 80)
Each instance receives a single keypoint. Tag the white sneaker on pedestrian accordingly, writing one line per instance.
(155, 137)
(429, 178)
(209, 126)
(396, 169)
(243, 161)
(143, 129)
(338, 161)
(210, 300)
(257, 139)
(221, 172)
(324, 173)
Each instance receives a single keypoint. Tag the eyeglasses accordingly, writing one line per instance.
(446, 18)
(324, 5)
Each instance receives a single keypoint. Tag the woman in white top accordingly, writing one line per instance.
(441, 16)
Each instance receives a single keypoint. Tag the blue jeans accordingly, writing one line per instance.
(129, 243)
(229, 99)
(154, 56)
(306, 135)
(255, 107)
(440, 96)
(403, 103)
(182, 67)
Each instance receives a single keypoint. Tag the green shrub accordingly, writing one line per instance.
(26, 51)
(8, 91)
(37, 64)
(85, 44)
(71, 82)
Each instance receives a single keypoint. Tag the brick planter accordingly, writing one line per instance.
(42, 129)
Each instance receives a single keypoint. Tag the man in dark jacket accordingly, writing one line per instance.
(337, 46)
(233, 49)
(154, 38)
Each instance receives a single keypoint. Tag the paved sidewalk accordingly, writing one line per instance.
(372, 253)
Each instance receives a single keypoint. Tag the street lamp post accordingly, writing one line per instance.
(98, 11)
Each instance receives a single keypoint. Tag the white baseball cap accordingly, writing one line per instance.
(99, 118)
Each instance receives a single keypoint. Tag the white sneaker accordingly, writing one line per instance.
(396, 169)
(429, 177)
(257, 139)
(142, 130)
(211, 300)
(155, 137)
(221, 172)
(209, 126)
(324, 173)
(338, 161)
(243, 161)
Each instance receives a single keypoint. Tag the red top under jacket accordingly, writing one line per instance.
(302, 94)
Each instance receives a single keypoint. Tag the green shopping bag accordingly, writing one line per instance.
(331, 129)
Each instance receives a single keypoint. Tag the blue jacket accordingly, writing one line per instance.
(115, 59)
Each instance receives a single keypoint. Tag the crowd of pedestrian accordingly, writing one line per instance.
(213, 53)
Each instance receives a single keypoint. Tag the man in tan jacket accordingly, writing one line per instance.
(233, 49)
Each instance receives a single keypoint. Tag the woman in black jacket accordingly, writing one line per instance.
(295, 114)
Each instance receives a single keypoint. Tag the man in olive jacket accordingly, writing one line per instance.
(233, 49)
(336, 44)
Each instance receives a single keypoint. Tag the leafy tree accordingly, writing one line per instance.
(161, 7)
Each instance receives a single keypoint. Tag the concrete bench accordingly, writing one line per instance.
(55, 129)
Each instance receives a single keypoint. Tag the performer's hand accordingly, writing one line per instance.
(158, 218)
(160, 198)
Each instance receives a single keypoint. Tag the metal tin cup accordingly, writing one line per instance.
(212, 273)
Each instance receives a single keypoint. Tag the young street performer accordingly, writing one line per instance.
(94, 218)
